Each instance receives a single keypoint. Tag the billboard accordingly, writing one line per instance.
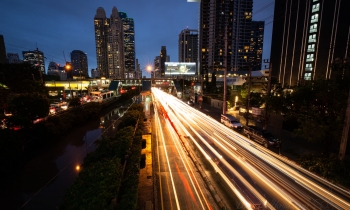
(176, 68)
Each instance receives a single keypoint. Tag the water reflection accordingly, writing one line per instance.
(43, 180)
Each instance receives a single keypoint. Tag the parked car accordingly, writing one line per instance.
(231, 122)
(263, 137)
(191, 103)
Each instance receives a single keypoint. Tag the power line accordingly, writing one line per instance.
(264, 7)
(27, 49)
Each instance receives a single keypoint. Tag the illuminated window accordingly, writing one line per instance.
(307, 76)
(308, 67)
(315, 7)
(311, 48)
(313, 28)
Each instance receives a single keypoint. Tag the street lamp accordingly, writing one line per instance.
(68, 68)
(81, 84)
(149, 69)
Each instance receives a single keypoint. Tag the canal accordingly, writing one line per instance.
(42, 182)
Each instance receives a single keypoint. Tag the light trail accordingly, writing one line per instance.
(207, 126)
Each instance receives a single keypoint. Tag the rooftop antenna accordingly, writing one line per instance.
(64, 57)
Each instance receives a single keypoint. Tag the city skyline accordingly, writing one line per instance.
(57, 29)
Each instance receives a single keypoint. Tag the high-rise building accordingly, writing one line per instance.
(13, 58)
(35, 58)
(307, 37)
(2, 50)
(95, 73)
(256, 45)
(129, 41)
(109, 41)
(188, 45)
(156, 72)
(79, 63)
(225, 35)
(55, 69)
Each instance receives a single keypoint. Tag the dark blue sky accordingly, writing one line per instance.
(63, 26)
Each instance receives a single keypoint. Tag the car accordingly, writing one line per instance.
(191, 103)
(263, 137)
(231, 122)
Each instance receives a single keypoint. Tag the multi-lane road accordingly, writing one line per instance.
(261, 179)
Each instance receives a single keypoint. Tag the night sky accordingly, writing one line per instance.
(59, 27)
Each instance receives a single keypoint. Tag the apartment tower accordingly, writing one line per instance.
(225, 34)
(109, 39)
(79, 63)
(129, 41)
(188, 45)
(308, 36)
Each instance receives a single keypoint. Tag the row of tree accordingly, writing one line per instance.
(109, 175)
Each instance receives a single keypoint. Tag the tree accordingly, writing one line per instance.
(318, 107)
(28, 107)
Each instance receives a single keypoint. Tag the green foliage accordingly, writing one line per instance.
(95, 186)
(95, 178)
(74, 102)
(116, 146)
(29, 106)
(329, 167)
(129, 119)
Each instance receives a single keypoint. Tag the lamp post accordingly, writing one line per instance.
(81, 84)
(68, 68)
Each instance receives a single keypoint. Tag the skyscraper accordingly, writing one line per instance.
(2, 50)
(129, 41)
(79, 63)
(256, 45)
(188, 45)
(109, 44)
(307, 37)
(35, 58)
(225, 35)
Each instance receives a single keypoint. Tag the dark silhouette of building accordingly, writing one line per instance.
(257, 43)
(79, 63)
(2, 50)
(188, 45)
(129, 41)
(109, 39)
(307, 37)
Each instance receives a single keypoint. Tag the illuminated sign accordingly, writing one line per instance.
(176, 68)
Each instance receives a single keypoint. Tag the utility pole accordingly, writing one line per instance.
(39, 65)
(248, 96)
(268, 92)
(344, 137)
(224, 105)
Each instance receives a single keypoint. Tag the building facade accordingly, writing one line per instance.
(308, 36)
(55, 69)
(225, 35)
(129, 41)
(257, 43)
(109, 39)
(2, 50)
(156, 72)
(79, 63)
(13, 58)
(95, 73)
(35, 58)
(188, 46)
